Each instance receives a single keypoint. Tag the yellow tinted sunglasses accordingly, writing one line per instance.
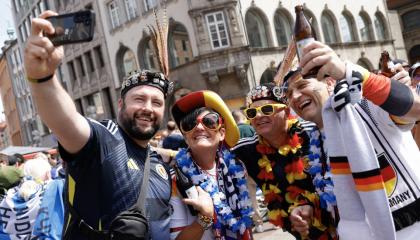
(267, 110)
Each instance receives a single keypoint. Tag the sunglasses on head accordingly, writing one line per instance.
(211, 121)
(266, 110)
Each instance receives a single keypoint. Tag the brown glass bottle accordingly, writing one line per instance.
(304, 34)
(386, 65)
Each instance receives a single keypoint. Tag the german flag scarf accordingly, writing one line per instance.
(358, 185)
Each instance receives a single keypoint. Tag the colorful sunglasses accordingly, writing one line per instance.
(211, 121)
(267, 110)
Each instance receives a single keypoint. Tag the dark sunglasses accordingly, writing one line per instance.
(211, 121)
(267, 110)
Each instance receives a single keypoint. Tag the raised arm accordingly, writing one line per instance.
(54, 105)
(399, 100)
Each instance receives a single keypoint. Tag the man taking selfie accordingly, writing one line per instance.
(105, 160)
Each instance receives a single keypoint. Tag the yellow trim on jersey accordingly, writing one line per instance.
(132, 164)
(71, 191)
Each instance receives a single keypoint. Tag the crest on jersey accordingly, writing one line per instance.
(162, 171)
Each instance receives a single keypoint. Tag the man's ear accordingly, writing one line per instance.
(330, 84)
(120, 104)
(287, 110)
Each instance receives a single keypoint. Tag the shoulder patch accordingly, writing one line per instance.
(160, 169)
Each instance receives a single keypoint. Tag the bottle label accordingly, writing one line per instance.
(302, 44)
(192, 192)
(391, 65)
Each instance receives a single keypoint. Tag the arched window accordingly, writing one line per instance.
(314, 22)
(283, 26)
(129, 62)
(256, 29)
(347, 27)
(364, 26)
(380, 26)
(178, 45)
(411, 20)
(415, 54)
(328, 28)
(126, 62)
(147, 54)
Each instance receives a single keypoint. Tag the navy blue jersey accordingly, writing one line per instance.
(105, 177)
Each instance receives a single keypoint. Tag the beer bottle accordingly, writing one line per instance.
(186, 188)
(304, 34)
(386, 65)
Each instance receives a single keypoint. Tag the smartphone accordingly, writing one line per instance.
(73, 27)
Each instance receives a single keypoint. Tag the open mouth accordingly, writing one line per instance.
(144, 119)
(304, 104)
(199, 137)
(262, 123)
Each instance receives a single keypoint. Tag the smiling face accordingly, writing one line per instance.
(272, 125)
(307, 97)
(141, 112)
(202, 139)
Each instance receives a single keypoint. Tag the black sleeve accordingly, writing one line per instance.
(95, 148)
(249, 156)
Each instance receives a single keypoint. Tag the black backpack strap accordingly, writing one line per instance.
(145, 183)
(94, 234)
(85, 228)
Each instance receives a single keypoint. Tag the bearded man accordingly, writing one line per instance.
(105, 160)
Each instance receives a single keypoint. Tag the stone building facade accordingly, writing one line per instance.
(34, 132)
(409, 19)
(86, 70)
(13, 130)
(226, 45)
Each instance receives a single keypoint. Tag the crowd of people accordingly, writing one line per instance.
(31, 200)
(334, 155)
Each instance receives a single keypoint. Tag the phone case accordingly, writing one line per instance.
(73, 27)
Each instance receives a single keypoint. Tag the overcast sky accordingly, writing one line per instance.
(6, 21)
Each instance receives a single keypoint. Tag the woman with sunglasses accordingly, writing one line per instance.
(224, 209)
(277, 158)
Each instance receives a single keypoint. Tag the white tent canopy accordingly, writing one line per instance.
(10, 150)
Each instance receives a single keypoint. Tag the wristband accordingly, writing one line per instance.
(47, 78)
(205, 222)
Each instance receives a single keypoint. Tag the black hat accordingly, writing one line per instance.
(146, 77)
(265, 91)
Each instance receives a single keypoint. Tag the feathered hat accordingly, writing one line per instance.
(146, 77)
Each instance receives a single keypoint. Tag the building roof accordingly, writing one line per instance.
(10, 150)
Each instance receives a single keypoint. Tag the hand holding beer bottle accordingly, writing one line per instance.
(393, 71)
(304, 35)
(387, 66)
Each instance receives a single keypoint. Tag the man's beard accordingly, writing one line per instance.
(130, 126)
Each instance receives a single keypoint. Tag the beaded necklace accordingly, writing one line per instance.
(233, 172)
(320, 172)
(292, 153)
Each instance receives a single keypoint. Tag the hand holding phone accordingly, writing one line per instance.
(72, 27)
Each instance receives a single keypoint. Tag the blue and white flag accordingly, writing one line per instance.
(40, 217)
